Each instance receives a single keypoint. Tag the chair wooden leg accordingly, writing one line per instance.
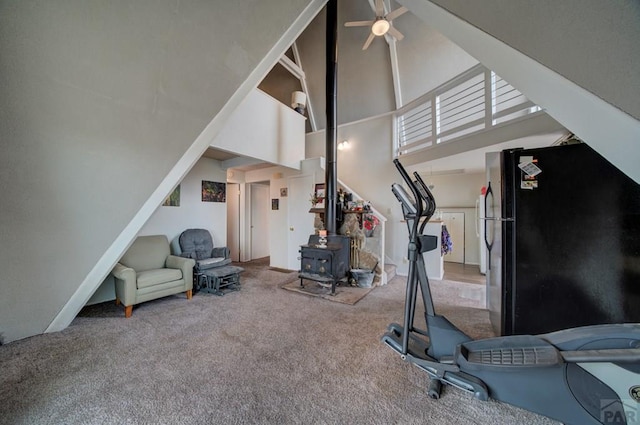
(128, 309)
(189, 294)
(117, 301)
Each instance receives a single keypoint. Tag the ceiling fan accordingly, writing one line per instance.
(381, 25)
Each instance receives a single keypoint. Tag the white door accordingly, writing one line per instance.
(233, 220)
(300, 219)
(455, 226)
(259, 221)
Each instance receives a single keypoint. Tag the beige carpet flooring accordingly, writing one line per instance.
(262, 355)
(345, 293)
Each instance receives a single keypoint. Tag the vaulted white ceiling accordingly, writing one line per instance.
(425, 59)
(367, 84)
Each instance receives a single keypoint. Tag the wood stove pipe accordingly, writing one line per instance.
(331, 87)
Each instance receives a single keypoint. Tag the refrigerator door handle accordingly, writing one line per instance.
(485, 218)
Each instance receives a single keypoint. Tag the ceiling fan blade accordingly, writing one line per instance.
(358, 23)
(379, 8)
(395, 13)
(369, 40)
(395, 33)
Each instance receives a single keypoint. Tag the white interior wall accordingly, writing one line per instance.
(367, 168)
(426, 58)
(595, 42)
(62, 140)
(105, 113)
(455, 190)
(458, 193)
(263, 128)
(192, 213)
(359, 72)
(278, 219)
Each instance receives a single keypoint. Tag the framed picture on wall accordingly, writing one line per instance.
(283, 192)
(320, 195)
(214, 191)
(275, 204)
(173, 200)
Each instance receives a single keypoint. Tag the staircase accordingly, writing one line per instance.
(390, 271)
(379, 250)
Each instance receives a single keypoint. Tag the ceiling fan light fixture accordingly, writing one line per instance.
(380, 27)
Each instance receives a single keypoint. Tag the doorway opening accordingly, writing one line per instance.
(248, 224)
(455, 226)
(259, 228)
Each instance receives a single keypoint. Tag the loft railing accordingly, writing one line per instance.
(475, 100)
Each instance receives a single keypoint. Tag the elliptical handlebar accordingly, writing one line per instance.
(416, 194)
(425, 203)
(427, 196)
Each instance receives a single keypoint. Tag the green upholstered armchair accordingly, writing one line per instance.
(147, 271)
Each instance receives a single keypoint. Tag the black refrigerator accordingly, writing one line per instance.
(563, 232)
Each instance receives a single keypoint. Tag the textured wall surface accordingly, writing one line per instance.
(593, 43)
(102, 100)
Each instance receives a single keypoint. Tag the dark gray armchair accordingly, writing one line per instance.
(198, 245)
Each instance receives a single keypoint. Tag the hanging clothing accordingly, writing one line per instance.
(447, 243)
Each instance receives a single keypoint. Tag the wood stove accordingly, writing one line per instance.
(325, 265)
(328, 264)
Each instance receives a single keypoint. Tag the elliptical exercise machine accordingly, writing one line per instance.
(581, 376)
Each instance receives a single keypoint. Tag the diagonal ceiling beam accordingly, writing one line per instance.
(395, 70)
(393, 56)
(295, 68)
(291, 66)
(305, 87)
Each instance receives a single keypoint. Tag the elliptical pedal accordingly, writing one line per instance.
(509, 351)
(531, 356)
